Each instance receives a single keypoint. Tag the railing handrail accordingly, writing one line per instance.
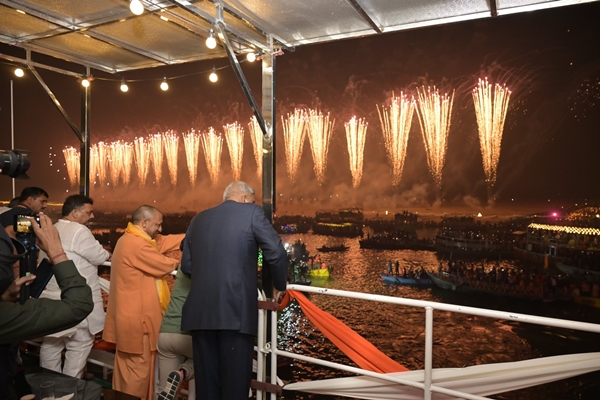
(525, 318)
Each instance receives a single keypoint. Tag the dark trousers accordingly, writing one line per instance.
(222, 364)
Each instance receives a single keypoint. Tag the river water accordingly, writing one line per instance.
(398, 331)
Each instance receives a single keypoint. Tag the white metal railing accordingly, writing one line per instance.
(266, 348)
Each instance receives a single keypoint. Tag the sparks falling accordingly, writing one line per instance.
(93, 163)
(212, 145)
(293, 134)
(191, 142)
(395, 125)
(127, 154)
(116, 161)
(434, 114)
(142, 159)
(319, 133)
(156, 155)
(491, 114)
(171, 143)
(234, 133)
(72, 162)
(103, 150)
(257, 144)
(356, 134)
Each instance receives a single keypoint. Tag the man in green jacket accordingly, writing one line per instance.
(38, 317)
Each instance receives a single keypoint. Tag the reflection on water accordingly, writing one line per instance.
(399, 331)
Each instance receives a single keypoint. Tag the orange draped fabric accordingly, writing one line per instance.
(357, 348)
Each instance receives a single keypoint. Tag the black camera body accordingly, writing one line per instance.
(22, 223)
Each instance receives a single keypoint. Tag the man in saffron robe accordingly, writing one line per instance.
(138, 299)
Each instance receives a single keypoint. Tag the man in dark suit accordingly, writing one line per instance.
(220, 253)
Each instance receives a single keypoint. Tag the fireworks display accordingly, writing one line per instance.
(434, 114)
(103, 150)
(212, 145)
(115, 160)
(171, 144)
(155, 145)
(142, 159)
(293, 134)
(356, 134)
(72, 163)
(490, 109)
(93, 163)
(234, 134)
(257, 144)
(191, 142)
(395, 125)
(319, 133)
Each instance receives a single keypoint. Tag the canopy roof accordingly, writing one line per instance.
(107, 36)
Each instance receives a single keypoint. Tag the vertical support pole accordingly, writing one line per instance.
(273, 351)
(269, 116)
(12, 132)
(428, 352)
(260, 354)
(84, 149)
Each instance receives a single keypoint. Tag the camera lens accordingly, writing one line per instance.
(15, 163)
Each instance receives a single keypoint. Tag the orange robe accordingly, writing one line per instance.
(134, 316)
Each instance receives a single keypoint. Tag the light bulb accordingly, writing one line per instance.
(124, 86)
(251, 57)
(136, 7)
(164, 85)
(211, 42)
(19, 72)
(85, 82)
(213, 76)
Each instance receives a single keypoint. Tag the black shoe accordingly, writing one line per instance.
(172, 387)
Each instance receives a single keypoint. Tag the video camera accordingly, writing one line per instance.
(14, 163)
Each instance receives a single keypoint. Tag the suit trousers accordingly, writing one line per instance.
(223, 364)
(78, 348)
(174, 352)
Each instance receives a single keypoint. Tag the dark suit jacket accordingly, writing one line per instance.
(220, 253)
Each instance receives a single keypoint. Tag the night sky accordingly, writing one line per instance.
(550, 60)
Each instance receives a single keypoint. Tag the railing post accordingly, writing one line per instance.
(260, 353)
(428, 352)
(273, 351)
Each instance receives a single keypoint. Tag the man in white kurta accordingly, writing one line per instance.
(87, 253)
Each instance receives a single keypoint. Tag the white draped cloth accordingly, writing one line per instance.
(480, 380)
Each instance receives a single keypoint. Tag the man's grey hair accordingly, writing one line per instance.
(237, 188)
(142, 213)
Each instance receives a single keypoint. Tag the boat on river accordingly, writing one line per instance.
(327, 249)
(456, 283)
(402, 280)
(457, 246)
(578, 272)
(587, 301)
(319, 272)
(395, 242)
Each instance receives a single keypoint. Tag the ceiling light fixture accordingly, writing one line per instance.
(213, 75)
(136, 7)
(124, 87)
(85, 82)
(164, 85)
(19, 72)
(251, 57)
(211, 42)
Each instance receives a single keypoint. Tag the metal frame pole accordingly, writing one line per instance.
(84, 152)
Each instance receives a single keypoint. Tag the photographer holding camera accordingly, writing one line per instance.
(35, 317)
(31, 201)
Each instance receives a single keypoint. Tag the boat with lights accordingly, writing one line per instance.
(405, 280)
(345, 222)
(328, 249)
(564, 245)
